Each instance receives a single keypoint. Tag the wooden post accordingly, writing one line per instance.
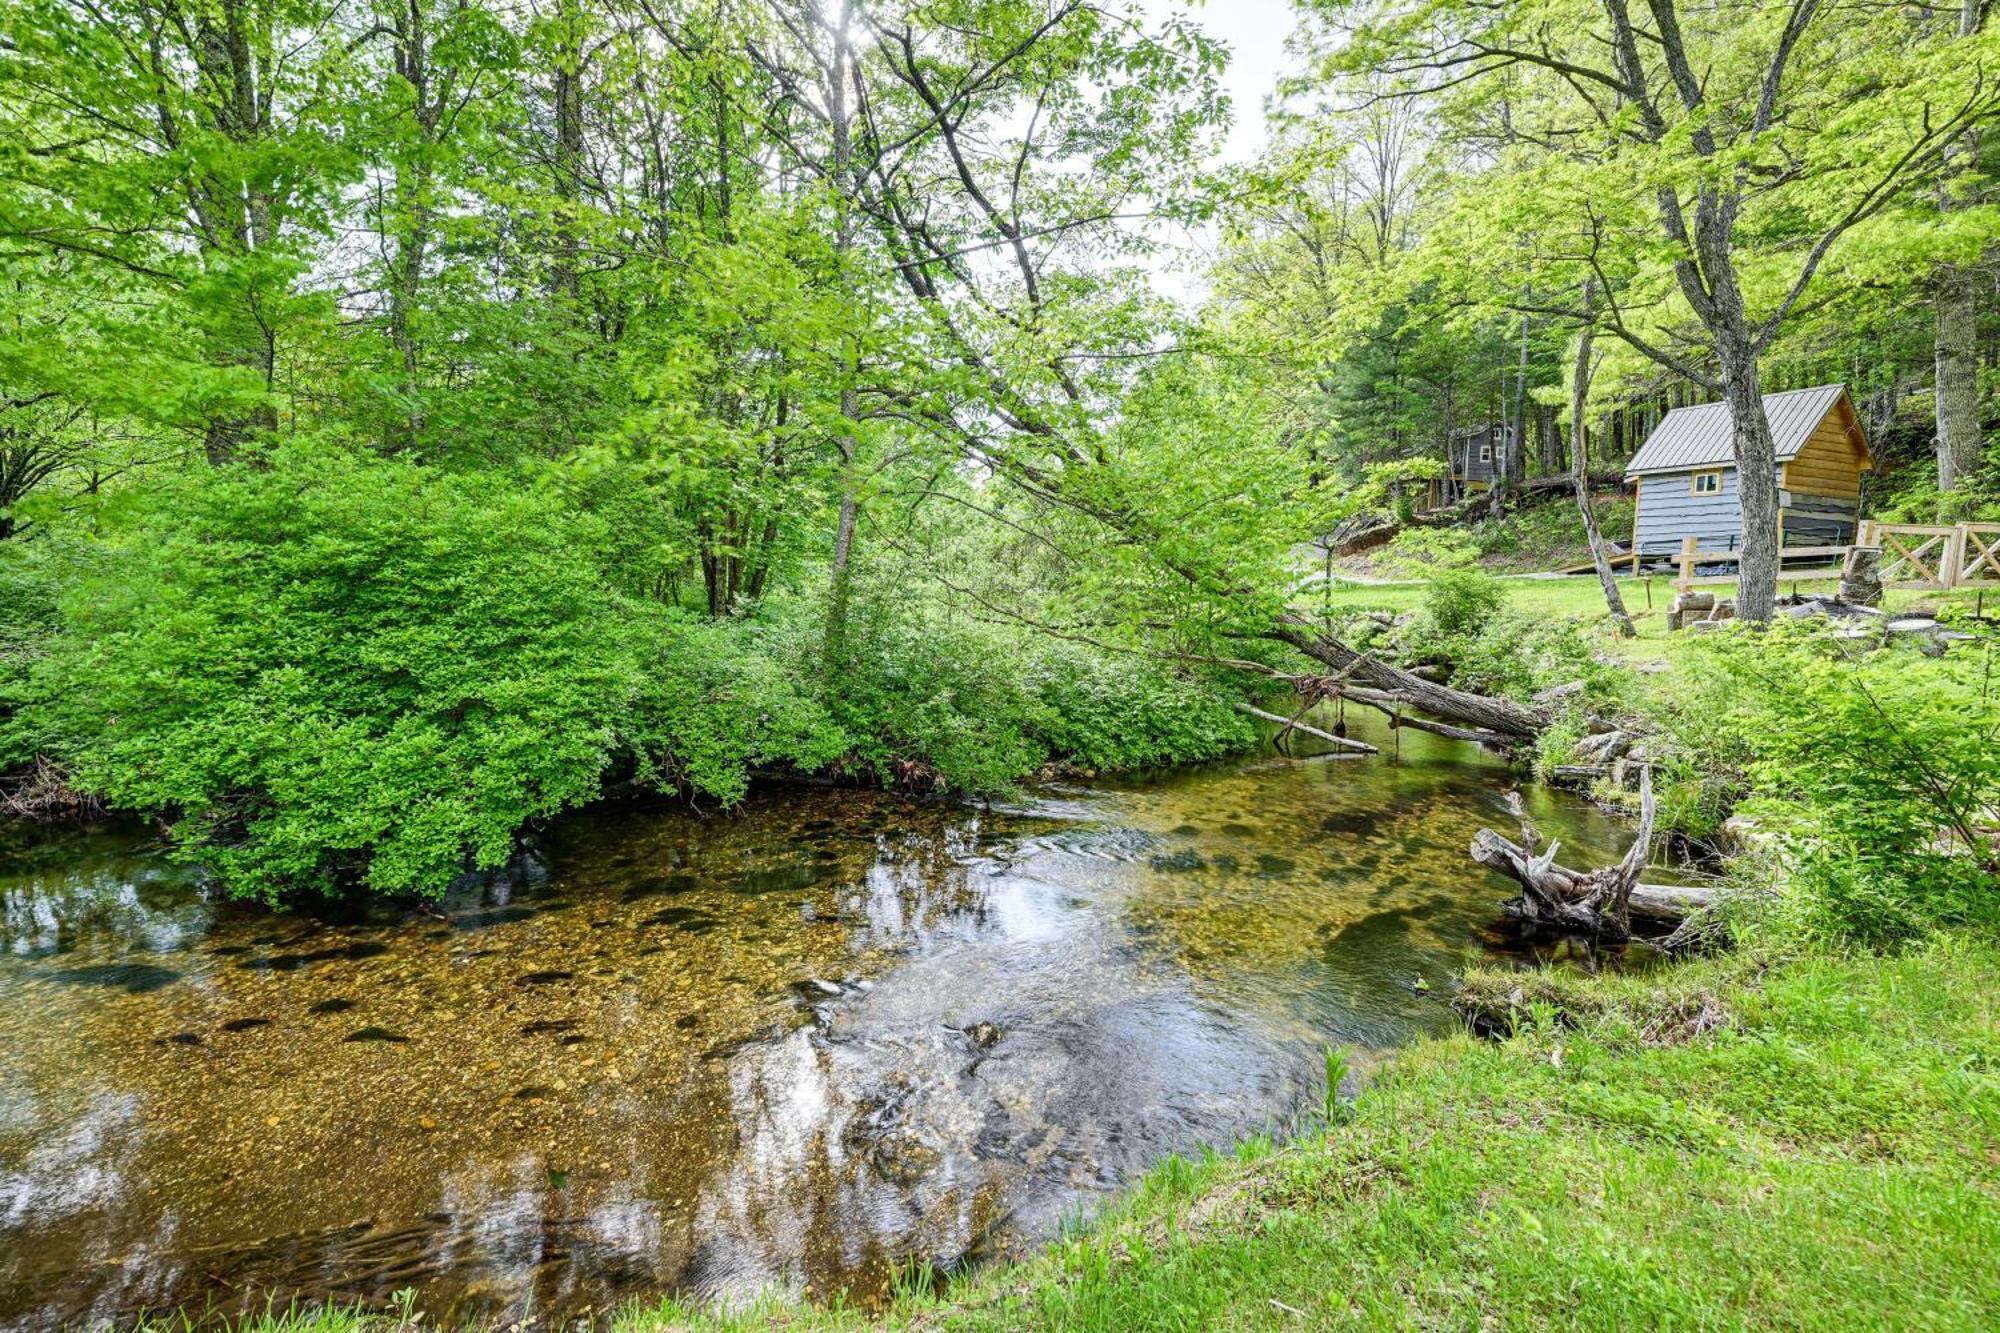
(1951, 565)
(1866, 534)
(1687, 563)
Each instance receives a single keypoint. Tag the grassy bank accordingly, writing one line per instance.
(1646, 598)
(1804, 1142)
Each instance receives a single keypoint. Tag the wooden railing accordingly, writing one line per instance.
(1691, 555)
(1934, 555)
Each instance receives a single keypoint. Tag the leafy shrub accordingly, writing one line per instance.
(1885, 765)
(1917, 499)
(1458, 604)
(1549, 531)
(30, 591)
(1422, 552)
(923, 696)
(1104, 714)
(1520, 655)
(716, 705)
(337, 666)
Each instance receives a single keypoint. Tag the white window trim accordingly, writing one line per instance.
(1695, 486)
(1485, 453)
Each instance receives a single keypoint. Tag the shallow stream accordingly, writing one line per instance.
(795, 1046)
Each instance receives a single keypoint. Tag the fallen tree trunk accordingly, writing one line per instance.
(1670, 903)
(1597, 903)
(1503, 720)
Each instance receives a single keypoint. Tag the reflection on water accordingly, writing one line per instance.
(791, 1047)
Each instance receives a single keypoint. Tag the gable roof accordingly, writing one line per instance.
(1700, 436)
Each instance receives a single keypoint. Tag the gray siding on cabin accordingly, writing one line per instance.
(1465, 446)
(1670, 511)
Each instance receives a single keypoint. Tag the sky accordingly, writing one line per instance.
(1255, 31)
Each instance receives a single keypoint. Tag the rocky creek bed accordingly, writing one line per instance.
(796, 1046)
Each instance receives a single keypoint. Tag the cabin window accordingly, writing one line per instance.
(1485, 453)
(1707, 483)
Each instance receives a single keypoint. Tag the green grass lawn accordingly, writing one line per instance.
(1646, 599)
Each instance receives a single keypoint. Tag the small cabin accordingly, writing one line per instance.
(1685, 474)
(1477, 458)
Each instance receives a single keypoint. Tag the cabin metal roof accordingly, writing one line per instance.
(1700, 436)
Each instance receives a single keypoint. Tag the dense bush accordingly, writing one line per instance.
(976, 707)
(335, 665)
(1135, 713)
(1458, 605)
(1884, 764)
(338, 668)
(1465, 622)
(30, 592)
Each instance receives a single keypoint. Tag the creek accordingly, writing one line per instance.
(797, 1046)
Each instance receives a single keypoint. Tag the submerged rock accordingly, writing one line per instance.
(983, 1034)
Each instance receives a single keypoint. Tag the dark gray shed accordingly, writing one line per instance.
(1685, 473)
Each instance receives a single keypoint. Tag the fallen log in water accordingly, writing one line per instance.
(1597, 902)
(1669, 903)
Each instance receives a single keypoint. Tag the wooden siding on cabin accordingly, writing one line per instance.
(1666, 510)
(1829, 464)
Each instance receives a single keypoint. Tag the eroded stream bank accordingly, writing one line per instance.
(795, 1046)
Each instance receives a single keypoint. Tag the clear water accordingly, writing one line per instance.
(795, 1046)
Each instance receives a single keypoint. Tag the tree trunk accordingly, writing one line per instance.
(1756, 487)
(1959, 447)
(846, 192)
(567, 96)
(1958, 440)
(1579, 434)
(1517, 447)
(1506, 720)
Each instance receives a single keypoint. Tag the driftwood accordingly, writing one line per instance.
(1670, 902)
(1289, 724)
(1597, 902)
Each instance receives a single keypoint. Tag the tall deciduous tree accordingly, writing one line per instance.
(1750, 142)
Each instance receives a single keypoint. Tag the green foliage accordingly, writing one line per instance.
(30, 616)
(1880, 765)
(341, 665)
(1458, 606)
(1421, 552)
(1916, 499)
(1097, 713)
(932, 701)
(1549, 534)
(927, 701)
(715, 705)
